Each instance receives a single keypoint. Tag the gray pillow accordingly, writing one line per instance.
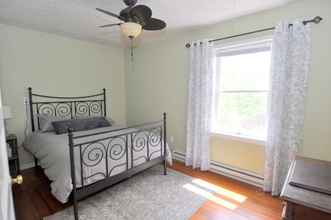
(45, 122)
(62, 127)
(110, 120)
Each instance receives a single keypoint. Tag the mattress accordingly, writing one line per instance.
(52, 152)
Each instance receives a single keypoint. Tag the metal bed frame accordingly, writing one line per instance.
(101, 147)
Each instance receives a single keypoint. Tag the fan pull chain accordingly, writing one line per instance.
(131, 40)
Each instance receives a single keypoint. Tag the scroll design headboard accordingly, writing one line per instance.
(66, 107)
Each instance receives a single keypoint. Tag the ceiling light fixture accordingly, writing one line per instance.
(131, 29)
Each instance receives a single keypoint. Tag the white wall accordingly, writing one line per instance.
(57, 65)
(159, 79)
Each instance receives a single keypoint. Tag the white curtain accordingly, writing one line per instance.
(291, 60)
(200, 104)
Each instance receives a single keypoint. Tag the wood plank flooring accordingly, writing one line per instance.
(257, 205)
(232, 201)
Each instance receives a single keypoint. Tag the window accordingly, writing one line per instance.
(242, 90)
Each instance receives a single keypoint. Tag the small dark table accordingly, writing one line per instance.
(296, 196)
(14, 163)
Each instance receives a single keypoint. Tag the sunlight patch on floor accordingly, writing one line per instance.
(208, 195)
(220, 190)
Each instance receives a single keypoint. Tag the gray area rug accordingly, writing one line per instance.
(147, 196)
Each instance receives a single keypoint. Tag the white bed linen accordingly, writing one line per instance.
(52, 152)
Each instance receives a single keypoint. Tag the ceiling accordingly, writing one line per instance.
(79, 19)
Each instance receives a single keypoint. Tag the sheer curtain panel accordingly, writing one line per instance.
(291, 58)
(202, 56)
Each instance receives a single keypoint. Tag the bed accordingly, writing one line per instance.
(82, 163)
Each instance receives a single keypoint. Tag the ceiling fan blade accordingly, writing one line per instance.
(125, 13)
(141, 14)
(154, 24)
(109, 13)
(109, 25)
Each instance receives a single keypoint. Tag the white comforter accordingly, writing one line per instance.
(52, 152)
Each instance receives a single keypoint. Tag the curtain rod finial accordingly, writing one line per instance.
(317, 19)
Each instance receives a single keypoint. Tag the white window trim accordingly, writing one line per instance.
(238, 137)
(221, 45)
(226, 48)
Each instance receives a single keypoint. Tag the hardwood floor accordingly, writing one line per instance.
(33, 199)
(234, 200)
(257, 205)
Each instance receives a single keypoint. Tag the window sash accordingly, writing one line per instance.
(218, 129)
(243, 51)
(244, 48)
(231, 51)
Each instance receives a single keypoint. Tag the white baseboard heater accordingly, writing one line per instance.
(229, 171)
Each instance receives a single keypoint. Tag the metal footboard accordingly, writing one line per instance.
(101, 159)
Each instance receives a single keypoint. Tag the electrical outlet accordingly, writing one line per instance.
(172, 139)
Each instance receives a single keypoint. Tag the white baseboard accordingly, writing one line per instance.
(231, 172)
(26, 165)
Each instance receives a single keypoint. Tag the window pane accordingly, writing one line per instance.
(245, 71)
(242, 114)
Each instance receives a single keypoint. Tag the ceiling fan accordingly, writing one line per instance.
(134, 18)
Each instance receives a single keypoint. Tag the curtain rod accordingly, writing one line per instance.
(315, 20)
